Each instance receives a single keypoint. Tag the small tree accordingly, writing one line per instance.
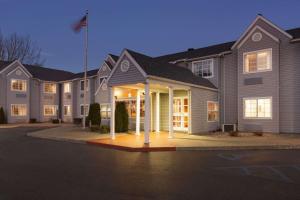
(2, 116)
(121, 115)
(94, 114)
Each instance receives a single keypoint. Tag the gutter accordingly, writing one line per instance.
(180, 82)
(202, 57)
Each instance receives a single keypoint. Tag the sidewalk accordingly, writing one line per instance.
(160, 142)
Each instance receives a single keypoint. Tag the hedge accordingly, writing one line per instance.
(121, 117)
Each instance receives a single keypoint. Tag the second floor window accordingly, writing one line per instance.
(203, 68)
(50, 88)
(67, 87)
(82, 85)
(18, 85)
(258, 61)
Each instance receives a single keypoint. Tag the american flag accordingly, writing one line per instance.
(81, 23)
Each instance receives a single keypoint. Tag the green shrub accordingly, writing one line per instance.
(2, 116)
(258, 133)
(32, 121)
(94, 128)
(104, 129)
(94, 114)
(121, 117)
(77, 121)
(55, 121)
(234, 133)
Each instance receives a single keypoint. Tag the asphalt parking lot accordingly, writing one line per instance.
(32, 168)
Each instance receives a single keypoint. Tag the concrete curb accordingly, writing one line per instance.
(230, 148)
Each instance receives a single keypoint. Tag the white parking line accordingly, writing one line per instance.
(280, 174)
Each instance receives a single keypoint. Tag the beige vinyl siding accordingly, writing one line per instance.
(132, 76)
(199, 98)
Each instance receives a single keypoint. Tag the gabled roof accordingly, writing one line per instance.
(80, 75)
(109, 65)
(114, 57)
(295, 32)
(4, 64)
(153, 67)
(197, 53)
(48, 74)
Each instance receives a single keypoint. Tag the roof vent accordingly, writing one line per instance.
(191, 49)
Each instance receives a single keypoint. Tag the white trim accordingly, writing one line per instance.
(100, 69)
(147, 118)
(112, 116)
(126, 53)
(251, 33)
(171, 112)
(180, 83)
(88, 85)
(252, 24)
(157, 112)
(19, 68)
(14, 90)
(69, 115)
(257, 98)
(216, 102)
(257, 51)
(138, 112)
(11, 111)
(181, 114)
(87, 110)
(20, 65)
(99, 87)
(295, 40)
(111, 58)
(49, 115)
(212, 67)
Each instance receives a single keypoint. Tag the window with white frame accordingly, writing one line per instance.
(18, 85)
(67, 110)
(212, 111)
(203, 68)
(105, 111)
(18, 110)
(50, 110)
(258, 61)
(258, 108)
(67, 87)
(50, 88)
(82, 110)
(82, 85)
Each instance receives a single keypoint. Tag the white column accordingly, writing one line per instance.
(147, 114)
(190, 111)
(157, 117)
(112, 116)
(171, 131)
(138, 112)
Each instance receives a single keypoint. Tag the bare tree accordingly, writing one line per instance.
(20, 47)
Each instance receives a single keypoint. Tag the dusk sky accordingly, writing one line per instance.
(152, 27)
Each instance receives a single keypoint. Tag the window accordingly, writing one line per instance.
(67, 87)
(258, 61)
(180, 113)
(82, 85)
(67, 110)
(203, 68)
(50, 110)
(18, 110)
(212, 111)
(18, 85)
(82, 110)
(50, 88)
(105, 111)
(258, 107)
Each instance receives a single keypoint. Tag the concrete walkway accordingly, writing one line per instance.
(160, 142)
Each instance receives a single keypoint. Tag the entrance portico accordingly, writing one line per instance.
(151, 107)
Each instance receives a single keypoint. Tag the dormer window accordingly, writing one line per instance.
(50, 88)
(203, 68)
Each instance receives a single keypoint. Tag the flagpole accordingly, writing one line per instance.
(85, 70)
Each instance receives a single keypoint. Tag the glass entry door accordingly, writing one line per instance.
(180, 113)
